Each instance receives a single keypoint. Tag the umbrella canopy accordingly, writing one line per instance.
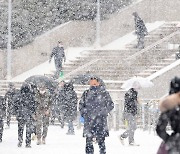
(137, 82)
(40, 80)
(83, 79)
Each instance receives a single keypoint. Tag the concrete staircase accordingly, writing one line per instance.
(116, 66)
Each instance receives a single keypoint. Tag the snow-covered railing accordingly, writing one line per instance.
(152, 45)
(164, 70)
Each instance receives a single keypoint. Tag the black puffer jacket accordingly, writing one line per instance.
(130, 104)
(25, 104)
(172, 140)
(94, 106)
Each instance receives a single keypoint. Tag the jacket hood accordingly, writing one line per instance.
(170, 102)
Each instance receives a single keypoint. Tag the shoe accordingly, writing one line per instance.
(43, 141)
(19, 144)
(70, 133)
(133, 144)
(121, 140)
(7, 127)
(38, 142)
(28, 146)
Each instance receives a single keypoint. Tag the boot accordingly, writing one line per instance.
(38, 141)
(43, 141)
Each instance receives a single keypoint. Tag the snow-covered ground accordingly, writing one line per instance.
(58, 142)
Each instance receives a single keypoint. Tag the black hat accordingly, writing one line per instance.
(175, 85)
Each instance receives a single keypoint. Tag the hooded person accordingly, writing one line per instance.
(170, 114)
(94, 107)
(25, 111)
(69, 106)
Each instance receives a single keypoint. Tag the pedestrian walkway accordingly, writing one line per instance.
(59, 143)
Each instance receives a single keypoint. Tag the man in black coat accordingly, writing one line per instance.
(25, 112)
(140, 30)
(94, 106)
(2, 115)
(69, 107)
(130, 112)
(59, 56)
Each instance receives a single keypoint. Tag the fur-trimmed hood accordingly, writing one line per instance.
(170, 102)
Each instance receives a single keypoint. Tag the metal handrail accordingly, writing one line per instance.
(152, 45)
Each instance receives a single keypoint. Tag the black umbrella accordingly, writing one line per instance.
(83, 79)
(40, 80)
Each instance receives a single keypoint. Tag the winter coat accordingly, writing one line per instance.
(43, 102)
(130, 104)
(69, 102)
(94, 106)
(9, 98)
(58, 53)
(25, 104)
(170, 108)
(2, 107)
(140, 28)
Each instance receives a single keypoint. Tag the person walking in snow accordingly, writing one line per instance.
(59, 56)
(94, 107)
(9, 99)
(170, 114)
(140, 30)
(43, 108)
(57, 104)
(69, 106)
(130, 112)
(2, 115)
(25, 112)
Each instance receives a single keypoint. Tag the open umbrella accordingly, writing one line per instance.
(83, 79)
(38, 80)
(137, 82)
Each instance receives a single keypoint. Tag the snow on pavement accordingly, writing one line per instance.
(58, 142)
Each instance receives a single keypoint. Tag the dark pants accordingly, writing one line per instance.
(1, 129)
(21, 124)
(140, 39)
(90, 148)
(42, 126)
(58, 65)
(70, 126)
(131, 119)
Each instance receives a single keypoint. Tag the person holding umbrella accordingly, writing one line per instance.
(43, 107)
(130, 112)
(25, 112)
